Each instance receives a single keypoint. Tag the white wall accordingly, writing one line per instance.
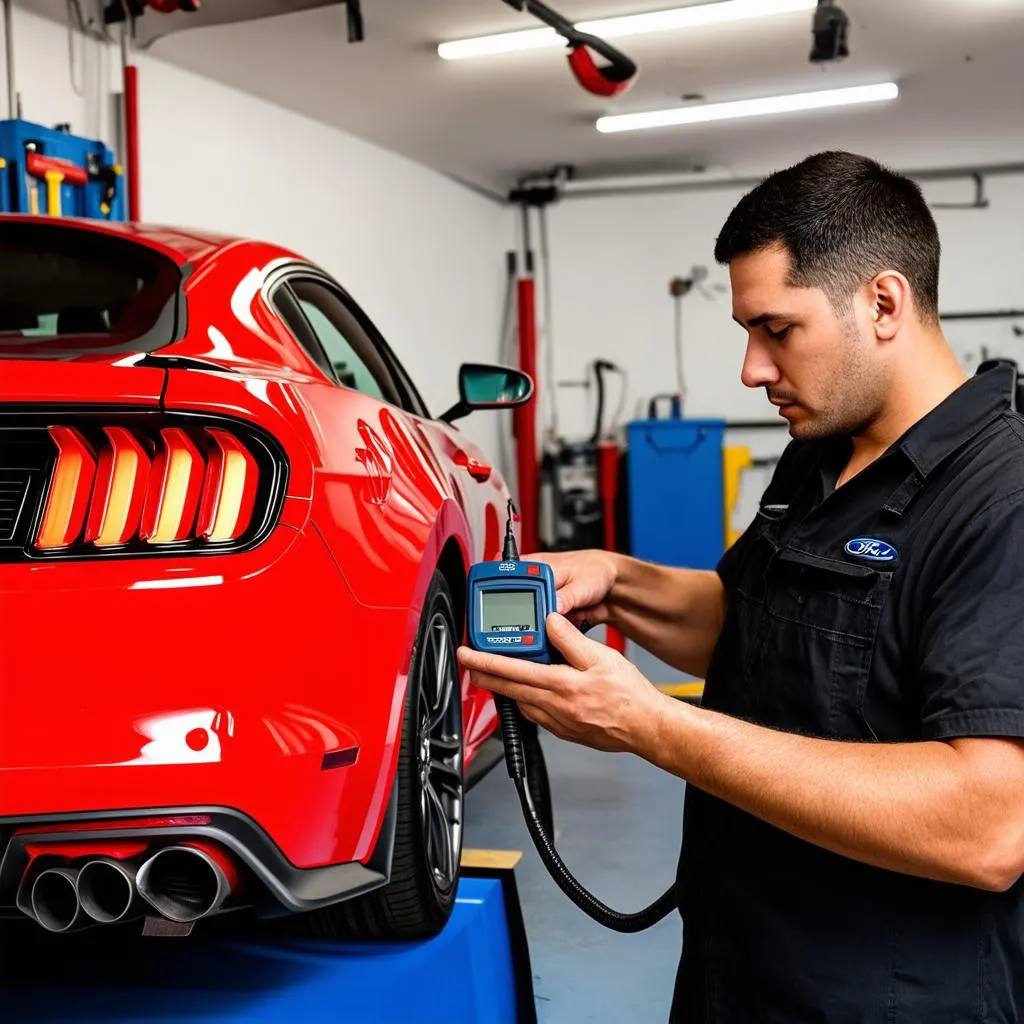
(612, 259)
(421, 253)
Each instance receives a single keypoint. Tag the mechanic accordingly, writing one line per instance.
(853, 837)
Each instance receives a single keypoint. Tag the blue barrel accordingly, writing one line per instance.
(676, 511)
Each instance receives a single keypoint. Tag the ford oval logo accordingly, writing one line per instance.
(871, 550)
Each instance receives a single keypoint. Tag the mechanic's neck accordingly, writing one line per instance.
(927, 376)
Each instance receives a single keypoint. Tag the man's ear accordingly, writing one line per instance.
(891, 304)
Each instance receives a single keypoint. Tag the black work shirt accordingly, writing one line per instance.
(888, 610)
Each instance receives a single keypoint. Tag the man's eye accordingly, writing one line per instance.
(779, 335)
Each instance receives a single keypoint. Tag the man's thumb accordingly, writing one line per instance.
(577, 650)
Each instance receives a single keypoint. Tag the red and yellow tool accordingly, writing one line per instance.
(55, 173)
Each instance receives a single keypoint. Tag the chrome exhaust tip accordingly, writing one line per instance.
(183, 883)
(106, 890)
(54, 900)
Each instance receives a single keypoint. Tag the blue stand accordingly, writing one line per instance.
(472, 972)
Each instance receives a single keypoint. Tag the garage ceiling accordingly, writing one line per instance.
(488, 121)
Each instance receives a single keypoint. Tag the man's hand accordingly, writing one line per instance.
(597, 699)
(583, 582)
(676, 614)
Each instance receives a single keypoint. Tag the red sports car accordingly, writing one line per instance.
(233, 551)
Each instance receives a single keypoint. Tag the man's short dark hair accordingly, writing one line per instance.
(843, 219)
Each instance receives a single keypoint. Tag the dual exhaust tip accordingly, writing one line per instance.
(182, 883)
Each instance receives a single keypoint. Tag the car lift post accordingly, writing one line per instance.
(524, 424)
(131, 126)
(524, 417)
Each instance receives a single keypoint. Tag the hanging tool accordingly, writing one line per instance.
(118, 10)
(678, 289)
(107, 176)
(609, 79)
(831, 32)
(354, 13)
(55, 173)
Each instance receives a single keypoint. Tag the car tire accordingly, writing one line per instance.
(417, 901)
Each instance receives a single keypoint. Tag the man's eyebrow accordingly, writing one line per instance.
(764, 318)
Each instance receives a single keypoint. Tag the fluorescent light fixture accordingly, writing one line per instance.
(705, 112)
(694, 16)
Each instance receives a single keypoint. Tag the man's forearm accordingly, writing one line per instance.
(913, 807)
(676, 614)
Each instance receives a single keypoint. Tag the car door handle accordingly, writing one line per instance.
(474, 467)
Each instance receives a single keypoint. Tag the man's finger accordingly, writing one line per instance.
(543, 718)
(578, 650)
(521, 693)
(504, 667)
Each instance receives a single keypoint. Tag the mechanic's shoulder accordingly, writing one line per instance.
(1001, 452)
(989, 473)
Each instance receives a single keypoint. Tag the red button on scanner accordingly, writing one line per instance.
(533, 570)
(528, 639)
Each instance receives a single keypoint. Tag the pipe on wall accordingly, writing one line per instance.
(12, 91)
(131, 138)
(692, 181)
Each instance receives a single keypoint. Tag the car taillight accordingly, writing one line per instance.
(230, 489)
(122, 481)
(174, 489)
(177, 487)
(68, 497)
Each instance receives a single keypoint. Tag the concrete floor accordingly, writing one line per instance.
(617, 825)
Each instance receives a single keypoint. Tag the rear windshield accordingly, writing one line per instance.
(67, 292)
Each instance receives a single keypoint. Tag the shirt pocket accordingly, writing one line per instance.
(813, 661)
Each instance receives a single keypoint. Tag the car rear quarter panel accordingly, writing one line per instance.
(387, 494)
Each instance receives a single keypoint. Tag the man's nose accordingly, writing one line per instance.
(759, 371)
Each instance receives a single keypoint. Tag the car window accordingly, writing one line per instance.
(66, 291)
(350, 356)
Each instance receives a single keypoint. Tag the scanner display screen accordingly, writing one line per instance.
(509, 611)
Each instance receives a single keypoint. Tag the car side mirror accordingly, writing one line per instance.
(482, 386)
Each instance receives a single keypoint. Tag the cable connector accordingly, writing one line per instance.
(510, 550)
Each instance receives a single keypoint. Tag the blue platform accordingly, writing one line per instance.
(472, 972)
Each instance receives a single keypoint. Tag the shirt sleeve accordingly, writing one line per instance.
(733, 557)
(971, 653)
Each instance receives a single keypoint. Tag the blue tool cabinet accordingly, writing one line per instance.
(676, 510)
(24, 192)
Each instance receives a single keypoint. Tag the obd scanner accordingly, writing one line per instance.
(506, 610)
(509, 603)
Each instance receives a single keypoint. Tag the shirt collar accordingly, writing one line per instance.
(949, 426)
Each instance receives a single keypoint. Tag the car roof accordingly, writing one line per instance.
(183, 245)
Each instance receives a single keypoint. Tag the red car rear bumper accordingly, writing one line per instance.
(252, 682)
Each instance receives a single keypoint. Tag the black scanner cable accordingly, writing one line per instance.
(516, 762)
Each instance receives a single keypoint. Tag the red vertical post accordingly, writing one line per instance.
(131, 135)
(525, 418)
(608, 489)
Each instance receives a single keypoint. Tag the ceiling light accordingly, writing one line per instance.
(750, 108)
(693, 16)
